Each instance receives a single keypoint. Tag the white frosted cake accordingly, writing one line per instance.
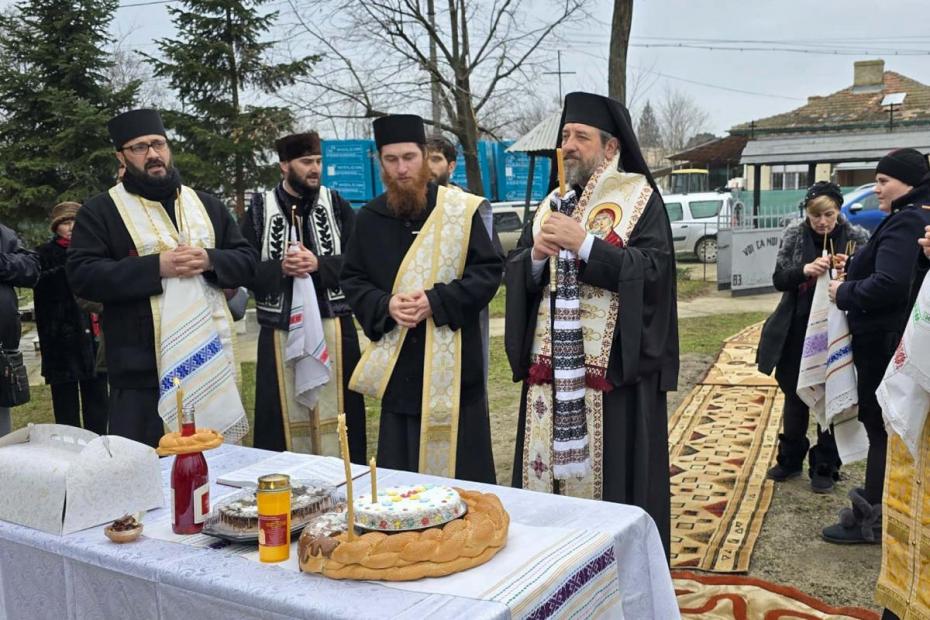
(408, 508)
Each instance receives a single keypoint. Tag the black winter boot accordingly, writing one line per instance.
(825, 469)
(861, 524)
(790, 460)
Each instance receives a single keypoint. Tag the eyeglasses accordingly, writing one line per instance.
(141, 148)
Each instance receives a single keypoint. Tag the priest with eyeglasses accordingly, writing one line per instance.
(158, 255)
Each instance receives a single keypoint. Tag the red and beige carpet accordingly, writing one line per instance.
(733, 597)
(722, 439)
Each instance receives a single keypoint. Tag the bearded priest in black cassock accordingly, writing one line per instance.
(325, 220)
(419, 268)
(597, 426)
(158, 254)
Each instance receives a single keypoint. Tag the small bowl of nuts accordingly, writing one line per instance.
(123, 530)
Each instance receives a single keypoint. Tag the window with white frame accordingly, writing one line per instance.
(789, 176)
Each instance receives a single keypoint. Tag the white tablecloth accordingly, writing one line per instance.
(84, 575)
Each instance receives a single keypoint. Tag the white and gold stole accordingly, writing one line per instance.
(620, 197)
(437, 255)
(191, 321)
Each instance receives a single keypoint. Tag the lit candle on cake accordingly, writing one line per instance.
(344, 448)
(374, 480)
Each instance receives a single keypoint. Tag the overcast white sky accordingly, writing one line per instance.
(782, 79)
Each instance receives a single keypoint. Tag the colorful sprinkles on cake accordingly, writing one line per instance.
(409, 508)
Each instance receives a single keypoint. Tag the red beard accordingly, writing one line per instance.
(407, 200)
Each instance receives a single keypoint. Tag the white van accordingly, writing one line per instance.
(695, 218)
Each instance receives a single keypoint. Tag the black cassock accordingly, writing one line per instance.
(643, 360)
(270, 280)
(104, 266)
(377, 247)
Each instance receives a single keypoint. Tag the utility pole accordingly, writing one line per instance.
(433, 83)
(559, 73)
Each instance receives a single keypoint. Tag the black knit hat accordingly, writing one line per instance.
(298, 145)
(906, 165)
(130, 125)
(823, 188)
(396, 128)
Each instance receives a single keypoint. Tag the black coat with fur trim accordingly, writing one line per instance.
(374, 254)
(797, 249)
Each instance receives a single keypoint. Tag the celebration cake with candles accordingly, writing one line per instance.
(462, 543)
(416, 531)
(409, 508)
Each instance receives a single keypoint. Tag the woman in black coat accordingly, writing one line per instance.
(876, 298)
(66, 334)
(799, 264)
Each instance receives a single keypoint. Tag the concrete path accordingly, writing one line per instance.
(717, 302)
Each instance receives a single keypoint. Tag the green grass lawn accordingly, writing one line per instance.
(696, 335)
(496, 309)
(687, 289)
(706, 334)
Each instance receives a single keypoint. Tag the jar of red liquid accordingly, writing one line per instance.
(190, 484)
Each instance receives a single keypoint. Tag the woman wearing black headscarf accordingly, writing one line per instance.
(877, 297)
(800, 263)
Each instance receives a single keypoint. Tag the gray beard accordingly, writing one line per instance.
(579, 175)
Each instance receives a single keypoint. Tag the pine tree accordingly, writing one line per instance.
(648, 131)
(55, 101)
(217, 58)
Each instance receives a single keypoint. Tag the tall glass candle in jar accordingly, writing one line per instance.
(274, 518)
(190, 484)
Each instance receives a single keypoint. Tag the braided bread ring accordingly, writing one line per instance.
(175, 443)
(436, 552)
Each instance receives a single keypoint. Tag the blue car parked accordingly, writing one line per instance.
(860, 206)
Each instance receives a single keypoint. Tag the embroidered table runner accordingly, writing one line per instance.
(542, 572)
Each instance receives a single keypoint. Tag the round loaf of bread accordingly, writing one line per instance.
(175, 443)
(456, 546)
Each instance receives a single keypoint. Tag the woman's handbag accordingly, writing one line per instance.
(14, 380)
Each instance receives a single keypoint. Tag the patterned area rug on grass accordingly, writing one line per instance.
(731, 597)
(722, 440)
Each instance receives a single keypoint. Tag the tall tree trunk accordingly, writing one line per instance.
(239, 171)
(466, 112)
(619, 42)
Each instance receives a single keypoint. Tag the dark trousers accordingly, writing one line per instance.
(71, 399)
(268, 433)
(793, 443)
(134, 415)
(871, 354)
(399, 442)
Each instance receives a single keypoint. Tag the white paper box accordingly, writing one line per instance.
(61, 479)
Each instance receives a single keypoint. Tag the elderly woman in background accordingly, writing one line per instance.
(66, 334)
(799, 264)
(877, 296)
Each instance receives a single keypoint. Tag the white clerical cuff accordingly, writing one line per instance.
(538, 267)
(585, 250)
